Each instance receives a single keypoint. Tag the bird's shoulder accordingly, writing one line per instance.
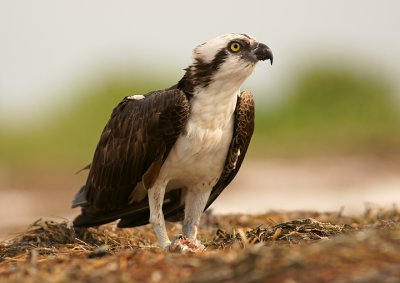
(147, 104)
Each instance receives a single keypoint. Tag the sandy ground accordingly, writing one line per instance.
(320, 184)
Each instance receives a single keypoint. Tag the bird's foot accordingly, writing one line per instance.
(182, 244)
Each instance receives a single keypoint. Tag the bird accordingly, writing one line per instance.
(168, 154)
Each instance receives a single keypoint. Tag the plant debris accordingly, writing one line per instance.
(273, 247)
(290, 232)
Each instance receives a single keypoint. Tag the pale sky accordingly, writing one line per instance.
(49, 46)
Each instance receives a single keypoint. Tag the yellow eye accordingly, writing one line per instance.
(235, 46)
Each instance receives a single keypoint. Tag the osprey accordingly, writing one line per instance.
(168, 154)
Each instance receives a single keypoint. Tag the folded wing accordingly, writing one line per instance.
(132, 148)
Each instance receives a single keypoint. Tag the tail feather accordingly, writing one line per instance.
(134, 214)
(80, 198)
(89, 219)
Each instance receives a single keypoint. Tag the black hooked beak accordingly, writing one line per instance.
(263, 53)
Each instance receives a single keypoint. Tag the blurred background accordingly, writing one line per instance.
(327, 123)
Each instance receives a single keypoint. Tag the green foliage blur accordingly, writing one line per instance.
(331, 110)
(328, 111)
(71, 136)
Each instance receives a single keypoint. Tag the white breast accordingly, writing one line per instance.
(198, 157)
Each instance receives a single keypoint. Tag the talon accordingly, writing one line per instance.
(182, 244)
(178, 237)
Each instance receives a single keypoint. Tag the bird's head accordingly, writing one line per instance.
(226, 60)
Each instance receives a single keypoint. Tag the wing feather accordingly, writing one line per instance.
(134, 143)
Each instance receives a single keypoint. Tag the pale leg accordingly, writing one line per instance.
(195, 203)
(156, 198)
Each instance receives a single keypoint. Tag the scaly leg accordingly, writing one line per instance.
(156, 198)
(195, 203)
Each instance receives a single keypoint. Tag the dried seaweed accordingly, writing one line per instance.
(273, 247)
(294, 231)
(52, 238)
